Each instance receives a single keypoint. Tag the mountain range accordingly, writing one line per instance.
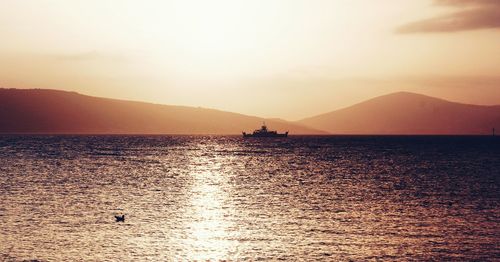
(59, 112)
(37, 111)
(408, 114)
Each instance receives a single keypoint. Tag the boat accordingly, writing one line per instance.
(263, 132)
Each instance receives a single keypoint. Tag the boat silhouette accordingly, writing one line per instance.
(264, 132)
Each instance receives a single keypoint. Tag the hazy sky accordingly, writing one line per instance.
(288, 59)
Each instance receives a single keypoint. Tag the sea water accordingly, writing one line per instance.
(328, 198)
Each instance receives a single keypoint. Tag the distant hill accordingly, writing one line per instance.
(408, 113)
(60, 112)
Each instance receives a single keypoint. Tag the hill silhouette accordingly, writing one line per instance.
(408, 113)
(61, 112)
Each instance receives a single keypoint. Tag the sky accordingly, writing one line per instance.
(287, 59)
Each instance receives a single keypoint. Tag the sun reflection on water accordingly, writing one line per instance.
(207, 225)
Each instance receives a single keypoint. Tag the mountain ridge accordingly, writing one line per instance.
(61, 112)
(49, 111)
(408, 114)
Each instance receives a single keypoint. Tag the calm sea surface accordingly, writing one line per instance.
(229, 198)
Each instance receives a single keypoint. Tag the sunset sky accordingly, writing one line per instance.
(289, 59)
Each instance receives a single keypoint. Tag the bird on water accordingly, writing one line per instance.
(120, 218)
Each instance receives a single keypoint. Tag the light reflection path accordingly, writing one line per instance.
(207, 226)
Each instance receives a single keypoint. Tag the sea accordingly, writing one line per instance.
(228, 198)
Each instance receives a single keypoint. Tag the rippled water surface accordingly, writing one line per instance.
(229, 198)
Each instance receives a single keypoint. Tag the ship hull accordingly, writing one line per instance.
(265, 135)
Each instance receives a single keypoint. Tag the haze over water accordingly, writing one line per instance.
(215, 197)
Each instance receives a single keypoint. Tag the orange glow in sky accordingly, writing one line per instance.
(288, 58)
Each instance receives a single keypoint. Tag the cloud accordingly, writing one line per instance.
(467, 2)
(473, 15)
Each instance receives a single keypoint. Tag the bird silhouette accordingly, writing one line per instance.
(120, 218)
